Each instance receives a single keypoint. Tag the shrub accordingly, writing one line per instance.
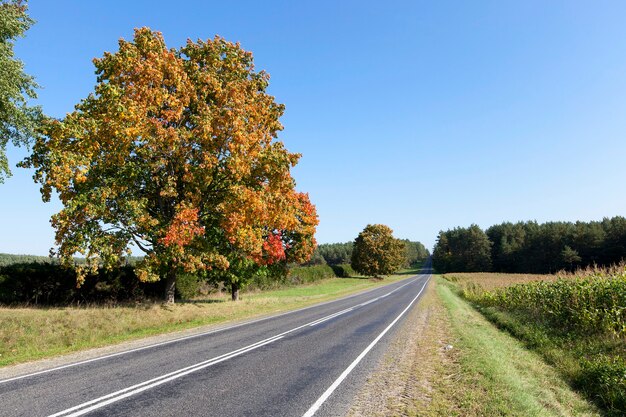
(52, 284)
(274, 276)
(343, 270)
(36, 283)
(188, 286)
(603, 378)
(306, 274)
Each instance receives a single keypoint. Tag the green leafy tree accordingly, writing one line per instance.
(614, 245)
(442, 256)
(462, 250)
(376, 252)
(316, 258)
(414, 252)
(530, 247)
(336, 253)
(18, 120)
(508, 242)
(570, 257)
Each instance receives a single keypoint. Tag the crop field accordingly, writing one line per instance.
(576, 321)
(488, 281)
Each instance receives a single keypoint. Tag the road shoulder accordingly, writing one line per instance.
(448, 360)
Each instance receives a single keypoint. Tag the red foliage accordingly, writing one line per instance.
(183, 228)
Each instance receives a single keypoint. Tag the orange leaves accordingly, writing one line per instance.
(183, 228)
(174, 152)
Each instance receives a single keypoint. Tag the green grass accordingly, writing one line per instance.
(499, 376)
(577, 323)
(33, 333)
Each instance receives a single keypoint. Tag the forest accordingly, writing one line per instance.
(531, 247)
(340, 253)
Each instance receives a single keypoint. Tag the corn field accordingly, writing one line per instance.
(593, 303)
(580, 315)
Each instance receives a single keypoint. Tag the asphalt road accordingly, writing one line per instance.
(303, 363)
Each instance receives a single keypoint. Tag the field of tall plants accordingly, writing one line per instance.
(576, 321)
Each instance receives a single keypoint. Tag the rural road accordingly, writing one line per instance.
(303, 363)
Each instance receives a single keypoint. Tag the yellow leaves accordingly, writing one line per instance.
(175, 150)
(146, 221)
(79, 176)
(145, 275)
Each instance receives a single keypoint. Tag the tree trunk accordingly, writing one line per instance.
(170, 287)
(234, 291)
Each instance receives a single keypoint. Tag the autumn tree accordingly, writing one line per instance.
(175, 152)
(376, 252)
(18, 120)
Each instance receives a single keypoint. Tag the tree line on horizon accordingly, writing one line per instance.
(531, 247)
(43, 280)
(341, 253)
(12, 259)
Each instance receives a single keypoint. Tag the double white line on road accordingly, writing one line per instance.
(180, 339)
(85, 408)
(113, 397)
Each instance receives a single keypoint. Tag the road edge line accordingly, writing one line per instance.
(322, 399)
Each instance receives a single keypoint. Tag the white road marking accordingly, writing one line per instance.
(136, 389)
(100, 402)
(323, 319)
(311, 411)
(112, 355)
(367, 302)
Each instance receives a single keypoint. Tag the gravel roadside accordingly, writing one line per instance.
(417, 370)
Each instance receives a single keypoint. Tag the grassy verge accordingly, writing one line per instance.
(33, 333)
(577, 323)
(501, 377)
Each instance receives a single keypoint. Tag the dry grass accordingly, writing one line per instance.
(492, 280)
(33, 333)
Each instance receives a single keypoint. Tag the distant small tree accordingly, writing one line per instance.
(376, 252)
(570, 257)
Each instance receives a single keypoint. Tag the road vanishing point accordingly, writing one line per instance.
(302, 363)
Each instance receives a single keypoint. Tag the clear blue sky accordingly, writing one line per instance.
(419, 115)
